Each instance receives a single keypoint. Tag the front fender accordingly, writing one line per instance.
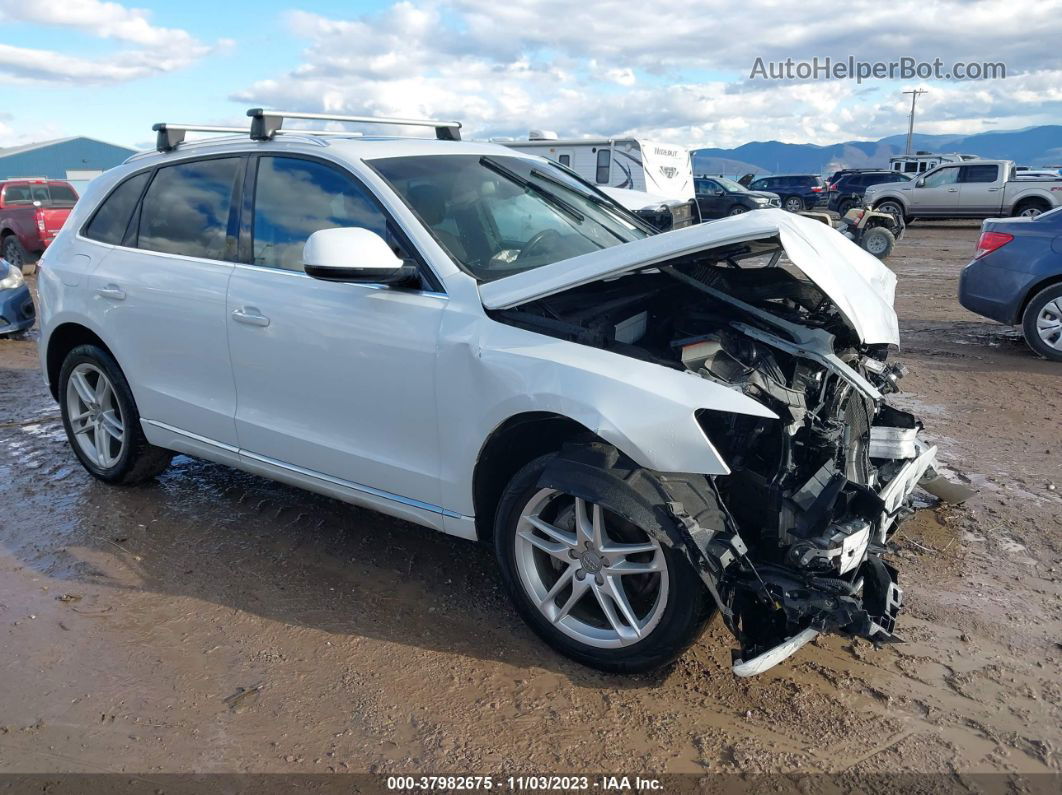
(646, 410)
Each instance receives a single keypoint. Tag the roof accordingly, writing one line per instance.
(17, 150)
(358, 147)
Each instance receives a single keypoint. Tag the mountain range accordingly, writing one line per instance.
(1032, 146)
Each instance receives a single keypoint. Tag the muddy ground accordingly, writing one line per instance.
(215, 621)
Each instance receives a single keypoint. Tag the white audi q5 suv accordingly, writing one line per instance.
(649, 428)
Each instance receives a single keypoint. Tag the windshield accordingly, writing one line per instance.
(501, 215)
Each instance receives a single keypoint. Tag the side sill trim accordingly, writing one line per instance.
(228, 448)
(348, 484)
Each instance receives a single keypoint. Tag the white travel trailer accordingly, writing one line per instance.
(641, 175)
(921, 162)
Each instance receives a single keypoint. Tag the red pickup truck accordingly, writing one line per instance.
(32, 212)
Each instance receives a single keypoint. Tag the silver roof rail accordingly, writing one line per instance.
(171, 135)
(267, 123)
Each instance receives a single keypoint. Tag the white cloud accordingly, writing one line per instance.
(155, 49)
(609, 67)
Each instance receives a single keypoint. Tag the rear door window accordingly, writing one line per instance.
(109, 223)
(980, 173)
(187, 206)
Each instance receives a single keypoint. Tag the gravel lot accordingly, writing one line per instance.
(218, 622)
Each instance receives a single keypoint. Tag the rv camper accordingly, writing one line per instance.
(924, 161)
(653, 179)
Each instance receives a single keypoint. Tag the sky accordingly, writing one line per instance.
(676, 72)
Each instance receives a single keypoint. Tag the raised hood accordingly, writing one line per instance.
(857, 282)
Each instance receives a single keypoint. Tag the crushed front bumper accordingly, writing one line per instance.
(780, 609)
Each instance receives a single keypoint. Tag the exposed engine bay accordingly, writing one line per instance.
(813, 497)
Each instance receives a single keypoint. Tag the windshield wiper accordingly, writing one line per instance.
(538, 190)
(607, 205)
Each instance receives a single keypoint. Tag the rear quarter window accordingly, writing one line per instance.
(111, 219)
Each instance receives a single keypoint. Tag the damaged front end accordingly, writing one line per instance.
(813, 497)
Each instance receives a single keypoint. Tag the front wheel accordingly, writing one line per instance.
(592, 580)
(793, 204)
(893, 209)
(14, 253)
(101, 420)
(1042, 323)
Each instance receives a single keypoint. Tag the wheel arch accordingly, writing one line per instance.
(1034, 200)
(63, 339)
(518, 440)
(1032, 292)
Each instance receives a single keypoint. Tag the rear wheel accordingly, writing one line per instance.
(737, 209)
(101, 420)
(879, 241)
(1042, 323)
(592, 580)
(844, 207)
(1031, 209)
(793, 204)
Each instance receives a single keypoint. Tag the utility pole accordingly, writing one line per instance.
(915, 92)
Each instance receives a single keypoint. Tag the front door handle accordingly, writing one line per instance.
(953, 190)
(250, 315)
(112, 291)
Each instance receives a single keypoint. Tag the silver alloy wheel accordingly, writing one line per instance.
(594, 576)
(95, 416)
(738, 211)
(794, 205)
(1049, 324)
(1030, 212)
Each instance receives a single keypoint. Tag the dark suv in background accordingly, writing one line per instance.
(848, 189)
(797, 191)
(719, 196)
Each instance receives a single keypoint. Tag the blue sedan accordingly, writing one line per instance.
(16, 302)
(1016, 278)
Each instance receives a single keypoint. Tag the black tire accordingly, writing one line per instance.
(634, 494)
(793, 204)
(1037, 305)
(139, 460)
(1031, 208)
(879, 241)
(737, 209)
(844, 207)
(14, 253)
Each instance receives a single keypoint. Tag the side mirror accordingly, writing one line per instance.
(920, 182)
(352, 254)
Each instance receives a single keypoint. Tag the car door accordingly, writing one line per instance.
(710, 198)
(937, 193)
(980, 189)
(334, 381)
(159, 292)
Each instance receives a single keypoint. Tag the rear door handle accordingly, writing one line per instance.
(250, 316)
(993, 190)
(112, 291)
(953, 190)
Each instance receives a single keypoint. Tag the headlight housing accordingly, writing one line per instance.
(10, 276)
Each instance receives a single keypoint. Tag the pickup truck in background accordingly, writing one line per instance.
(32, 211)
(970, 189)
